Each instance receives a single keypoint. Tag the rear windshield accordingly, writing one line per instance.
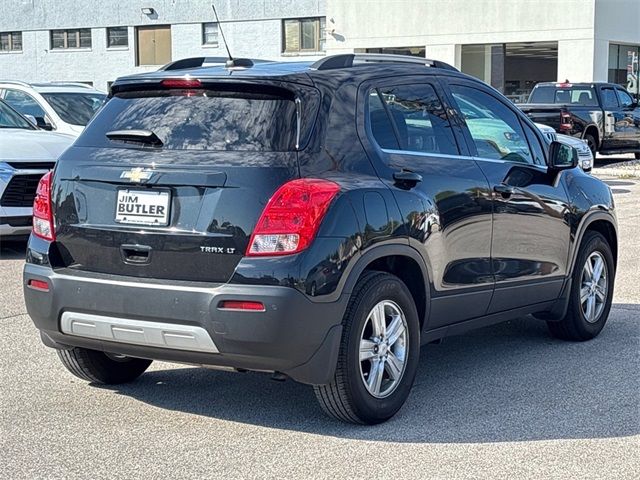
(574, 95)
(202, 119)
(75, 108)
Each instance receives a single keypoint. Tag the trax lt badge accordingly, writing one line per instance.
(137, 174)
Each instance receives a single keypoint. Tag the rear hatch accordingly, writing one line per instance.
(168, 182)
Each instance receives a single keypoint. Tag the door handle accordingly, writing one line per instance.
(407, 179)
(505, 190)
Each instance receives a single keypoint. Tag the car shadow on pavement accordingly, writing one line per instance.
(505, 383)
(13, 249)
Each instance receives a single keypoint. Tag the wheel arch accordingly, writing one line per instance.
(603, 223)
(401, 261)
(593, 130)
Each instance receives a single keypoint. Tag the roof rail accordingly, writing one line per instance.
(348, 60)
(63, 83)
(197, 62)
(16, 82)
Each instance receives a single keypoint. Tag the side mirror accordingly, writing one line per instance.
(32, 120)
(562, 156)
(42, 123)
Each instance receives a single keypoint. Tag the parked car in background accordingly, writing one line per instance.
(586, 160)
(603, 114)
(317, 221)
(26, 153)
(61, 107)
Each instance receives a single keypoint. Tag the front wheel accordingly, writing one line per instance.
(102, 368)
(378, 354)
(591, 291)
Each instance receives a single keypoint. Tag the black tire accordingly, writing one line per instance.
(637, 155)
(98, 367)
(346, 398)
(574, 326)
(593, 146)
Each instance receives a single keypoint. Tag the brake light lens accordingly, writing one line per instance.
(38, 285)
(42, 213)
(242, 305)
(181, 83)
(565, 121)
(292, 217)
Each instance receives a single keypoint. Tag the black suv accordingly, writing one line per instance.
(315, 221)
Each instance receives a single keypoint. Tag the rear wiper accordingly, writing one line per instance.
(146, 137)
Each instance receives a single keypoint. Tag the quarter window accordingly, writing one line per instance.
(412, 118)
(494, 128)
(304, 35)
(10, 41)
(117, 37)
(210, 34)
(73, 38)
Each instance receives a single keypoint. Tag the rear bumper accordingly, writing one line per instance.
(160, 321)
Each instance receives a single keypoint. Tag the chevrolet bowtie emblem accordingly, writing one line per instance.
(137, 174)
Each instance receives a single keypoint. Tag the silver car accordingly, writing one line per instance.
(585, 156)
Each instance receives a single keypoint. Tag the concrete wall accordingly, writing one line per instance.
(253, 29)
(582, 28)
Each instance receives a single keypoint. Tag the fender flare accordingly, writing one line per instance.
(588, 219)
(600, 134)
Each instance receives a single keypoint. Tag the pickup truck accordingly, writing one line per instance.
(605, 115)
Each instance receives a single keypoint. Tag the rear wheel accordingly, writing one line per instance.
(591, 142)
(591, 291)
(102, 368)
(378, 354)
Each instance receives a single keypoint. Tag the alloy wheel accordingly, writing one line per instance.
(383, 349)
(593, 287)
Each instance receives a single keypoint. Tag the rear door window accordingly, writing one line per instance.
(609, 99)
(224, 119)
(411, 117)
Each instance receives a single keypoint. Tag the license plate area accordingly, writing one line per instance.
(143, 207)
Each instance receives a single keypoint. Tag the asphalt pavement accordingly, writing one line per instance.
(506, 401)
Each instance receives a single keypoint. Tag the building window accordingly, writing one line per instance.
(303, 35)
(210, 34)
(117, 37)
(73, 38)
(623, 67)
(10, 41)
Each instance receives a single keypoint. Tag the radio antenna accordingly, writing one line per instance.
(230, 62)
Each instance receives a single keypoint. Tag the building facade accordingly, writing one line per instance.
(96, 42)
(511, 44)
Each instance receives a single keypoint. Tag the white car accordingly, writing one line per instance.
(584, 152)
(61, 107)
(26, 153)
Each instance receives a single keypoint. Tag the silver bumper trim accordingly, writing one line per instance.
(137, 332)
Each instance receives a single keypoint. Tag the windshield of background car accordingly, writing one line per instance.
(75, 108)
(584, 96)
(11, 119)
(236, 118)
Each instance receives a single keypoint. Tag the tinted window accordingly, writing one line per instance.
(75, 108)
(24, 103)
(496, 131)
(573, 95)
(625, 98)
(609, 99)
(10, 119)
(419, 118)
(201, 120)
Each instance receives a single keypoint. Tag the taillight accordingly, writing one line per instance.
(292, 217)
(38, 285)
(42, 213)
(565, 121)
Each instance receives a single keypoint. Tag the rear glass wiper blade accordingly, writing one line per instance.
(146, 137)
